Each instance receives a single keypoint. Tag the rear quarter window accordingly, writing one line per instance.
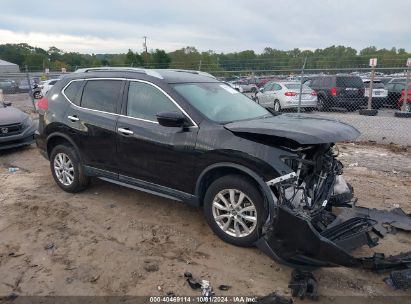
(73, 92)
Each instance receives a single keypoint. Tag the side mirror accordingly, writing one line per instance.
(7, 103)
(261, 89)
(172, 119)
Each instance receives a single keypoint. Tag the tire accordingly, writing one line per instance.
(277, 106)
(321, 104)
(252, 199)
(37, 95)
(367, 112)
(67, 154)
(309, 110)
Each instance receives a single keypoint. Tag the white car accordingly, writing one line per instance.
(285, 95)
(378, 90)
(47, 85)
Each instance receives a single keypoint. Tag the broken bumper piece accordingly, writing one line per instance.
(306, 242)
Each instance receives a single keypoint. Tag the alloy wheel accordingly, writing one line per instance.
(64, 169)
(234, 213)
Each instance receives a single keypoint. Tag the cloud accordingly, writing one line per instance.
(114, 26)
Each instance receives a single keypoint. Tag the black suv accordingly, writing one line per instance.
(186, 136)
(338, 91)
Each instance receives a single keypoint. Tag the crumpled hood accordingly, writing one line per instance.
(302, 128)
(10, 115)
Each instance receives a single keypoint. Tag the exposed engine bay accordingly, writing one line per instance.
(316, 222)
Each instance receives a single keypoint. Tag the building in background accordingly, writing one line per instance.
(8, 67)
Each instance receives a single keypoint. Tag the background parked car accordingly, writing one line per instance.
(338, 91)
(16, 128)
(394, 93)
(284, 95)
(247, 85)
(24, 86)
(47, 85)
(401, 101)
(379, 93)
(8, 86)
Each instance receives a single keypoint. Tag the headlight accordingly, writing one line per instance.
(27, 122)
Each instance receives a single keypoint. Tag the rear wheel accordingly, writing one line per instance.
(321, 104)
(67, 170)
(234, 209)
(277, 106)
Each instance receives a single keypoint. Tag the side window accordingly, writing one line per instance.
(277, 87)
(53, 82)
(145, 101)
(268, 87)
(73, 92)
(101, 95)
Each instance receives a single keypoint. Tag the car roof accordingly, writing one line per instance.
(166, 75)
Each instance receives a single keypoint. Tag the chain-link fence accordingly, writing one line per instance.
(340, 93)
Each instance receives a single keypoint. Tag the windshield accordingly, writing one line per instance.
(219, 102)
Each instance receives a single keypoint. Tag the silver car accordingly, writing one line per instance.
(284, 95)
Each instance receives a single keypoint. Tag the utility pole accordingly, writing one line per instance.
(301, 86)
(30, 88)
(145, 47)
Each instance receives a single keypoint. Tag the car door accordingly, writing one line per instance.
(264, 96)
(148, 152)
(93, 120)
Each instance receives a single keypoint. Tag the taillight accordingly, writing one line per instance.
(313, 93)
(43, 104)
(290, 94)
(334, 91)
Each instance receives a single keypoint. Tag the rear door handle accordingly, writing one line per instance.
(73, 118)
(125, 131)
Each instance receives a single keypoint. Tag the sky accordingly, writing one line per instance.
(114, 26)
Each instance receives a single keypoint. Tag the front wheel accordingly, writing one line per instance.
(37, 95)
(234, 209)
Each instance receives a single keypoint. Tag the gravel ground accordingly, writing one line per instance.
(110, 240)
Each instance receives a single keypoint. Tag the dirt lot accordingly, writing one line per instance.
(111, 240)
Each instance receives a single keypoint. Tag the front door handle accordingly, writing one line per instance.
(73, 118)
(125, 131)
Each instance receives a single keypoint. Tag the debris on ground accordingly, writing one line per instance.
(15, 254)
(224, 287)
(399, 279)
(49, 246)
(273, 298)
(204, 285)
(13, 169)
(303, 284)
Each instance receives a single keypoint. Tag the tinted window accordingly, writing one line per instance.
(145, 101)
(350, 82)
(101, 95)
(72, 92)
(53, 82)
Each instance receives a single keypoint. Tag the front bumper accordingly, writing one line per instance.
(18, 140)
(293, 240)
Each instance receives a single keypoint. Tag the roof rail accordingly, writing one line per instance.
(131, 69)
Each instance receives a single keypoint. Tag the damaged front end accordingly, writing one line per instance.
(315, 222)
